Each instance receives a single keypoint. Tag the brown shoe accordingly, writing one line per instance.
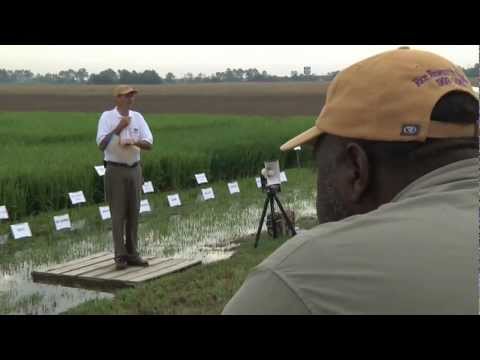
(136, 260)
(121, 263)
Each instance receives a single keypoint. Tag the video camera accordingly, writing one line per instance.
(270, 177)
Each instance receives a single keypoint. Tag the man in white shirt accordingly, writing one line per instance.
(122, 134)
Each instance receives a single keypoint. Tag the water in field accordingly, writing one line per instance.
(207, 234)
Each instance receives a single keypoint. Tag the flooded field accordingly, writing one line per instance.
(205, 231)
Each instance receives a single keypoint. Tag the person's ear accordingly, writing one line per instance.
(359, 171)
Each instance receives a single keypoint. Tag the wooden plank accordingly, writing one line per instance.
(110, 268)
(127, 277)
(82, 264)
(97, 272)
(105, 285)
(111, 272)
(77, 261)
(156, 274)
(84, 269)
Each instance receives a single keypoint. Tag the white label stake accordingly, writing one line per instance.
(208, 193)
(21, 231)
(144, 206)
(105, 212)
(148, 187)
(174, 200)
(233, 187)
(62, 222)
(3, 212)
(201, 178)
(100, 170)
(77, 197)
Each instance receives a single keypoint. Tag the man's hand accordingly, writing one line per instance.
(122, 124)
(127, 142)
(144, 145)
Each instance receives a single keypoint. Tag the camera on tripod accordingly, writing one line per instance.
(276, 223)
(270, 177)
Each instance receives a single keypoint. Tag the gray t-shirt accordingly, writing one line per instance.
(415, 255)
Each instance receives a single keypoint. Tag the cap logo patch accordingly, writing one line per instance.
(442, 77)
(410, 130)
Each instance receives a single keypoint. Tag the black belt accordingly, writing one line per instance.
(121, 164)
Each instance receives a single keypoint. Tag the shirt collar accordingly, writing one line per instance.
(118, 113)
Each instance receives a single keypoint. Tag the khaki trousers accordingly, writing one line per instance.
(123, 188)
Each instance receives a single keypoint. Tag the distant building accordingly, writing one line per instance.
(307, 70)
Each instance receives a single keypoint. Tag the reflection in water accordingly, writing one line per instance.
(207, 236)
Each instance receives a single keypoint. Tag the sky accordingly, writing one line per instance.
(208, 59)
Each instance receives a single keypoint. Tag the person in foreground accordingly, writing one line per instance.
(122, 134)
(396, 150)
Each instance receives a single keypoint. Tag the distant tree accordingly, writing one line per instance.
(150, 77)
(200, 77)
(68, 76)
(126, 77)
(5, 76)
(82, 75)
(104, 77)
(473, 72)
(252, 75)
(188, 77)
(170, 78)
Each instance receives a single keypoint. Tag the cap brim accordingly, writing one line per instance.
(301, 139)
(128, 92)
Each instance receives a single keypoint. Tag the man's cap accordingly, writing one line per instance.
(123, 90)
(390, 97)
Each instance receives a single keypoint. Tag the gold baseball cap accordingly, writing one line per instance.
(390, 97)
(123, 90)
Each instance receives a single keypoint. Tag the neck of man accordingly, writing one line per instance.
(123, 110)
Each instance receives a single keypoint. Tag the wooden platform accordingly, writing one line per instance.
(97, 272)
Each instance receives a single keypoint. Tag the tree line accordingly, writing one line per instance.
(110, 76)
(123, 76)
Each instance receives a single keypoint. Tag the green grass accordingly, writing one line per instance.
(46, 155)
(203, 290)
(199, 290)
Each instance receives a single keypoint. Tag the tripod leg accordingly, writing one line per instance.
(272, 211)
(287, 219)
(265, 206)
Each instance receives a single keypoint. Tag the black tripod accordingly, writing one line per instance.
(271, 196)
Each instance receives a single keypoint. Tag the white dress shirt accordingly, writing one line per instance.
(138, 130)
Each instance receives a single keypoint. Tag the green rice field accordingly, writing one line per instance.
(46, 155)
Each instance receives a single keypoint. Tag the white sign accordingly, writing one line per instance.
(259, 182)
(105, 212)
(148, 187)
(201, 178)
(174, 200)
(283, 177)
(77, 197)
(145, 206)
(21, 230)
(297, 148)
(233, 187)
(208, 193)
(62, 222)
(100, 170)
(3, 212)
